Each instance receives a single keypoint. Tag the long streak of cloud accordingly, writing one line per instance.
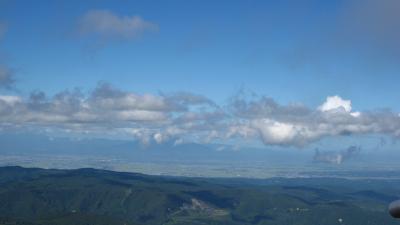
(185, 116)
(106, 25)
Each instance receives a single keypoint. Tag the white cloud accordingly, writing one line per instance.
(273, 132)
(160, 137)
(105, 24)
(295, 125)
(355, 114)
(10, 99)
(106, 109)
(335, 103)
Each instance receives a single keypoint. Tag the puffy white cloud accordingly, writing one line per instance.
(274, 132)
(105, 24)
(335, 103)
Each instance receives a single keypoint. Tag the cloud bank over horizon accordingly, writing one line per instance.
(187, 117)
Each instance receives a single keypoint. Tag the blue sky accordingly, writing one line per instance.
(295, 52)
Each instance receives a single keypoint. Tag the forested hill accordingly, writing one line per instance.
(90, 196)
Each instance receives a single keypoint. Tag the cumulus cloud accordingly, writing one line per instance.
(104, 24)
(337, 157)
(334, 103)
(181, 116)
(297, 125)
